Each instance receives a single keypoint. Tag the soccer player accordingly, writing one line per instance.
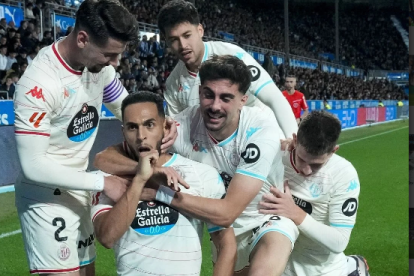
(179, 22)
(57, 107)
(244, 145)
(321, 197)
(295, 98)
(151, 238)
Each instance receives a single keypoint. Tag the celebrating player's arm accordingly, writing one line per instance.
(33, 127)
(111, 225)
(264, 88)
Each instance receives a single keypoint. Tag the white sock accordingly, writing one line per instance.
(352, 265)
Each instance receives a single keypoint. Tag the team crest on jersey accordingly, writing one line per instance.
(315, 189)
(83, 124)
(63, 252)
(179, 171)
(198, 147)
(234, 158)
(154, 218)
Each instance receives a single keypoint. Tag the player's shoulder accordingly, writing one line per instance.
(195, 173)
(300, 94)
(224, 48)
(341, 169)
(254, 115)
(44, 66)
(175, 73)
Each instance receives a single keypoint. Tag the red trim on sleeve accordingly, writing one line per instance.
(31, 133)
(100, 211)
(63, 62)
(54, 270)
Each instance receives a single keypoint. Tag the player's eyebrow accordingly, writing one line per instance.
(229, 95)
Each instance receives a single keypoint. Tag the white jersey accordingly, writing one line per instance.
(330, 197)
(53, 100)
(252, 150)
(161, 241)
(182, 86)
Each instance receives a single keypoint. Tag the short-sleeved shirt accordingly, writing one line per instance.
(252, 150)
(160, 239)
(297, 101)
(55, 101)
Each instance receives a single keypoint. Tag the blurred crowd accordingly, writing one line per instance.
(146, 64)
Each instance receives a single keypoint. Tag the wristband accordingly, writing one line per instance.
(165, 195)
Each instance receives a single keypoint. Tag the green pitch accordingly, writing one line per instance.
(380, 155)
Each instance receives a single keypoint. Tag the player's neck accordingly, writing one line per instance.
(163, 159)
(292, 91)
(65, 49)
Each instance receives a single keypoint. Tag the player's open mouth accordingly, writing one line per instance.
(214, 116)
(186, 54)
(143, 149)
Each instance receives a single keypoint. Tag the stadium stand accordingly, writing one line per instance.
(147, 64)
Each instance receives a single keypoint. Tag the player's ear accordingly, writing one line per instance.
(166, 128)
(200, 30)
(335, 149)
(294, 139)
(243, 100)
(82, 39)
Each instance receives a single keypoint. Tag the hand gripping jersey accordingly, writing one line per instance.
(252, 150)
(183, 86)
(161, 241)
(63, 105)
(331, 198)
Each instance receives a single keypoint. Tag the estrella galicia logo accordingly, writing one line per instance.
(304, 205)
(255, 72)
(251, 154)
(154, 218)
(350, 207)
(83, 124)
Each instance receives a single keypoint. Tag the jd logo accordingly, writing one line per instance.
(255, 72)
(350, 207)
(251, 154)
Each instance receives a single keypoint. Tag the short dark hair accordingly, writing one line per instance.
(176, 12)
(319, 132)
(226, 67)
(106, 19)
(291, 76)
(144, 97)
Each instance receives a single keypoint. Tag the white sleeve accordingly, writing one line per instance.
(173, 105)
(342, 213)
(100, 203)
(335, 239)
(33, 112)
(182, 145)
(114, 92)
(267, 92)
(256, 156)
(213, 188)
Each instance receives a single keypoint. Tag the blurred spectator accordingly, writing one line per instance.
(143, 48)
(3, 57)
(29, 11)
(11, 58)
(9, 87)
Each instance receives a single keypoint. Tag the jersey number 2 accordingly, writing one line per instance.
(60, 229)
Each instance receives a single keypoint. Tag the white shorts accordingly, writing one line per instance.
(248, 240)
(57, 238)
